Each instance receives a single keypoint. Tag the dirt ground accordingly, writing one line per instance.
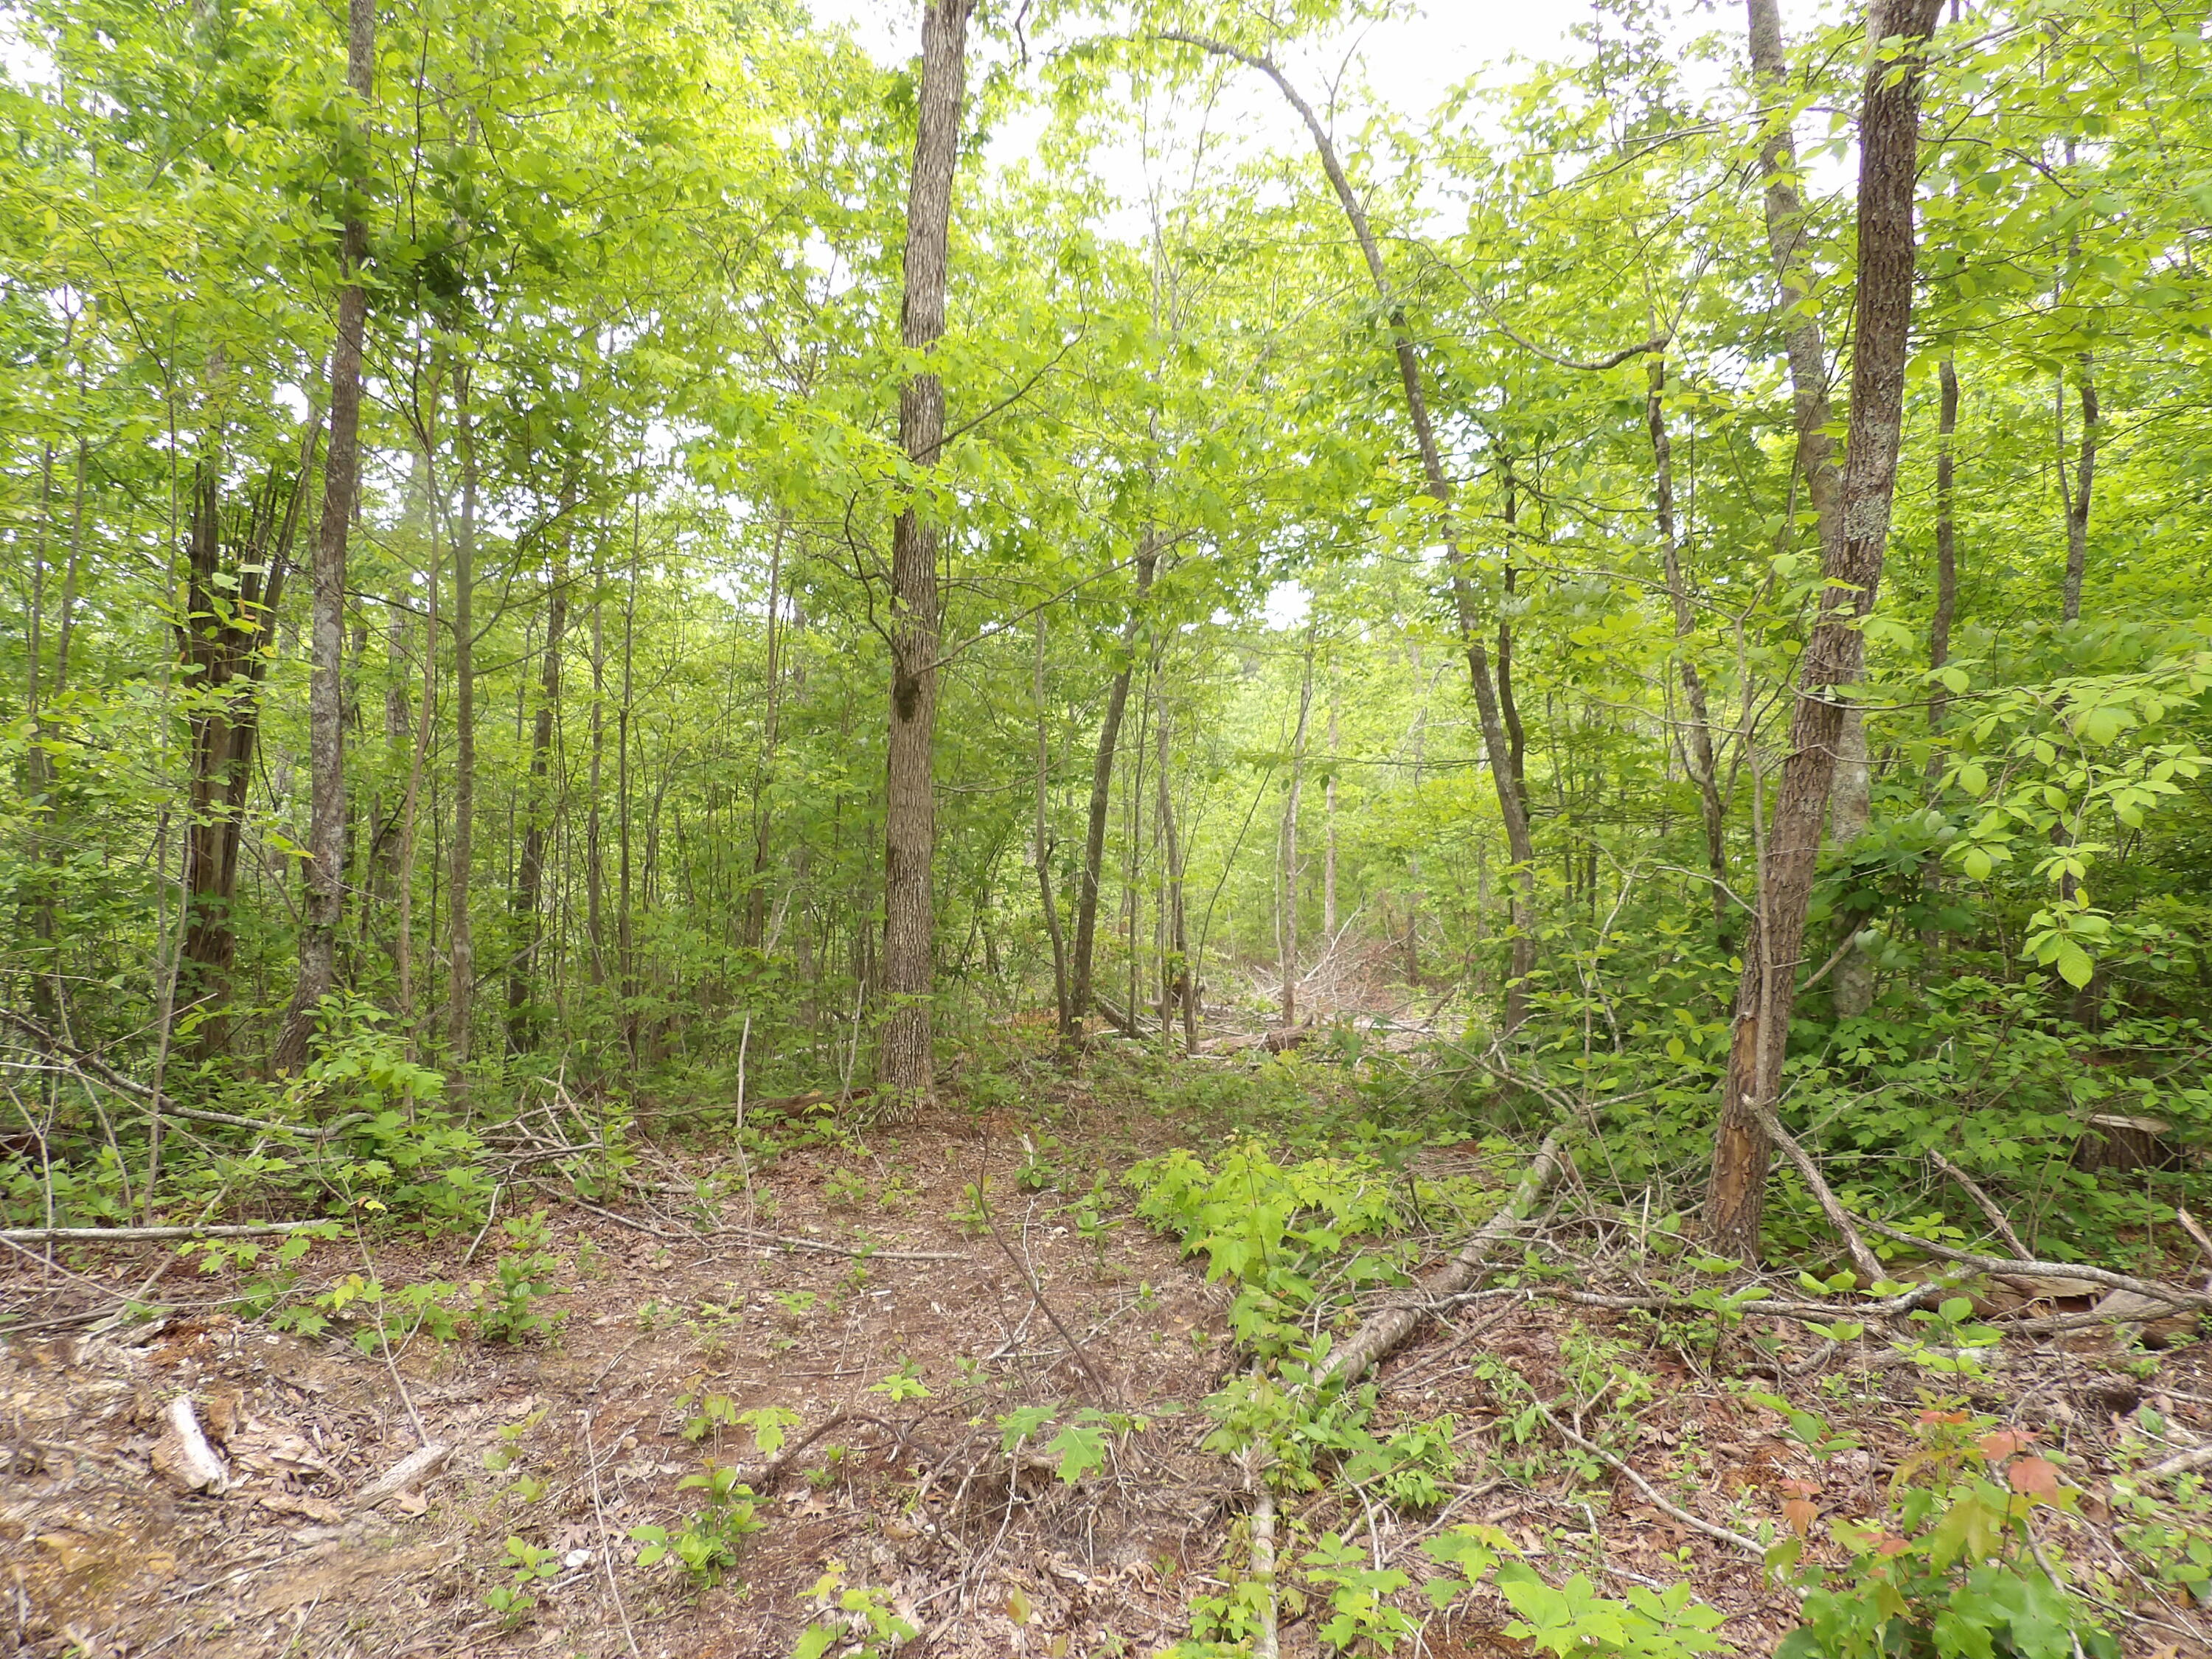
(837, 1284)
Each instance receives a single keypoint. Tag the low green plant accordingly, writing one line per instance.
(860, 1621)
(1952, 1569)
(526, 1565)
(507, 1306)
(705, 1547)
(1571, 1619)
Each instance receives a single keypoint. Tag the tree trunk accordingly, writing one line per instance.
(1947, 537)
(1511, 800)
(1889, 132)
(1329, 826)
(326, 906)
(2077, 498)
(755, 929)
(1101, 789)
(1704, 772)
(1287, 916)
(224, 645)
(461, 955)
(1849, 809)
(1041, 851)
(524, 967)
(905, 1065)
(1179, 983)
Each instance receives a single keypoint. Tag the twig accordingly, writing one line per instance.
(2196, 1457)
(606, 1546)
(1987, 1205)
(1749, 1546)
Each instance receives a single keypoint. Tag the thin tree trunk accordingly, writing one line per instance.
(1889, 132)
(460, 954)
(1511, 802)
(595, 863)
(403, 945)
(1287, 923)
(1041, 850)
(525, 969)
(756, 891)
(1178, 982)
(1946, 537)
(1328, 828)
(1703, 771)
(2077, 498)
(625, 943)
(905, 1064)
(326, 833)
(1849, 809)
(1102, 787)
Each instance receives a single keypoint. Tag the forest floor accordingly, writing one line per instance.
(838, 1284)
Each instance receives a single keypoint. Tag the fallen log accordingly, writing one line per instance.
(1388, 1329)
(150, 1234)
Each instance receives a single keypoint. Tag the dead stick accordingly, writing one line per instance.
(606, 1544)
(1749, 1546)
(1987, 1205)
(1862, 1258)
(2172, 1295)
(149, 1235)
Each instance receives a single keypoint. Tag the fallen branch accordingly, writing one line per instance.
(1750, 1545)
(1984, 1202)
(2169, 1295)
(149, 1235)
(2196, 1457)
(1864, 1259)
(417, 1466)
(1382, 1334)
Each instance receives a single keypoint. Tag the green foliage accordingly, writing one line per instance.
(1952, 1571)
(705, 1546)
(1269, 1228)
(858, 1619)
(507, 1306)
(526, 1565)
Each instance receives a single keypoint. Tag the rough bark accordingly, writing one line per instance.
(1850, 808)
(228, 603)
(1467, 611)
(905, 1067)
(1101, 791)
(1889, 132)
(1704, 772)
(325, 897)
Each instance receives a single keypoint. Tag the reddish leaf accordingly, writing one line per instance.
(1891, 1543)
(2004, 1442)
(1800, 1488)
(1799, 1513)
(2037, 1476)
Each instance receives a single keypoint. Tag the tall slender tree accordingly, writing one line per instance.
(1889, 145)
(327, 831)
(905, 1064)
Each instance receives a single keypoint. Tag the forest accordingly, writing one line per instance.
(1083, 840)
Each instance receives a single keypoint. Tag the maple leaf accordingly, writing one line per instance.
(2036, 1476)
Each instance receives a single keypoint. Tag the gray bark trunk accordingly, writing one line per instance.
(905, 1065)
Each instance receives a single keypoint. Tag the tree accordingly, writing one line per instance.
(1850, 570)
(905, 1063)
(325, 896)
